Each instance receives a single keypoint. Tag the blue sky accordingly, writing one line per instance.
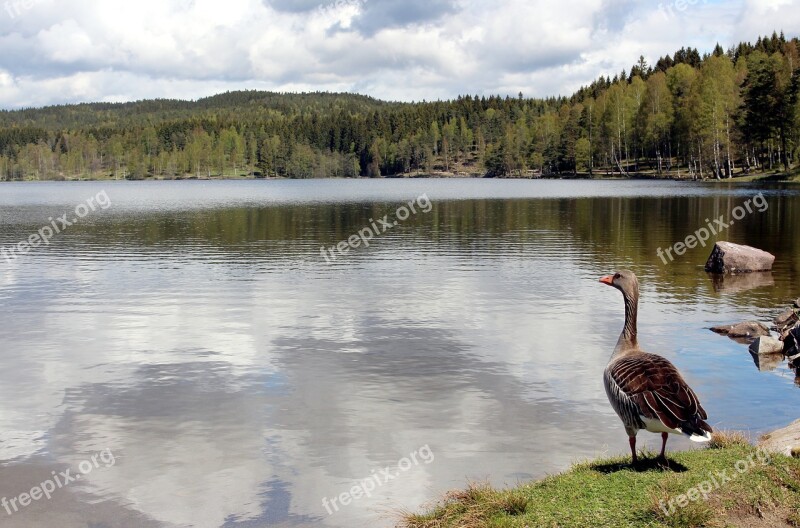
(63, 51)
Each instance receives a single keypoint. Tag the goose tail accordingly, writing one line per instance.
(706, 437)
(697, 430)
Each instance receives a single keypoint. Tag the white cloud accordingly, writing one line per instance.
(764, 16)
(87, 50)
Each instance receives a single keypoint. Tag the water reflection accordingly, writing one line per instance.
(738, 283)
(198, 333)
(768, 362)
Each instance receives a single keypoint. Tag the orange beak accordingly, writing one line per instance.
(608, 280)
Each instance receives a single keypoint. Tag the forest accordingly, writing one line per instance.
(718, 115)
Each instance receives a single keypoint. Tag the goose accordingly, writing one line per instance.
(646, 390)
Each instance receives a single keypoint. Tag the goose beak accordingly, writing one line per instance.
(608, 280)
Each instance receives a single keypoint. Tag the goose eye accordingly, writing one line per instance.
(617, 276)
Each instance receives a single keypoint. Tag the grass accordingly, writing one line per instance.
(612, 493)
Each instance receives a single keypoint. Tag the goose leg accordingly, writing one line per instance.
(664, 437)
(633, 449)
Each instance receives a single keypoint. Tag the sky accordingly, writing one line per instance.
(67, 51)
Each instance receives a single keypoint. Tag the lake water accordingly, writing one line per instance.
(192, 336)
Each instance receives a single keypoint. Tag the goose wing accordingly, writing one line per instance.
(660, 392)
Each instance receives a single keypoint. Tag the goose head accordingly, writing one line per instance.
(625, 281)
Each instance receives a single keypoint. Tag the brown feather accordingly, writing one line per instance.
(658, 389)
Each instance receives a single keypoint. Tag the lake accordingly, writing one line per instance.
(202, 354)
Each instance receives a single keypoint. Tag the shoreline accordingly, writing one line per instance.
(759, 486)
(791, 177)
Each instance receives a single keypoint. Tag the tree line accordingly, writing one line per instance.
(688, 115)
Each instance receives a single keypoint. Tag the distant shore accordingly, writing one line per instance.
(792, 176)
(763, 178)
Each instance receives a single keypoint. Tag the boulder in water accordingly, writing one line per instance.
(750, 329)
(765, 346)
(733, 258)
(787, 319)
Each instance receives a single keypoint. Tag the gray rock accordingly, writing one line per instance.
(765, 346)
(797, 303)
(785, 441)
(786, 319)
(789, 317)
(733, 258)
(749, 329)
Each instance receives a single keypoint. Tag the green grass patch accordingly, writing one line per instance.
(612, 493)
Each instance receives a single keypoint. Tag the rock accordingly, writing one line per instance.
(733, 258)
(767, 353)
(749, 329)
(797, 303)
(742, 282)
(765, 346)
(785, 441)
(786, 319)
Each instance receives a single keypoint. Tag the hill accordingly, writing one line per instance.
(727, 113)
